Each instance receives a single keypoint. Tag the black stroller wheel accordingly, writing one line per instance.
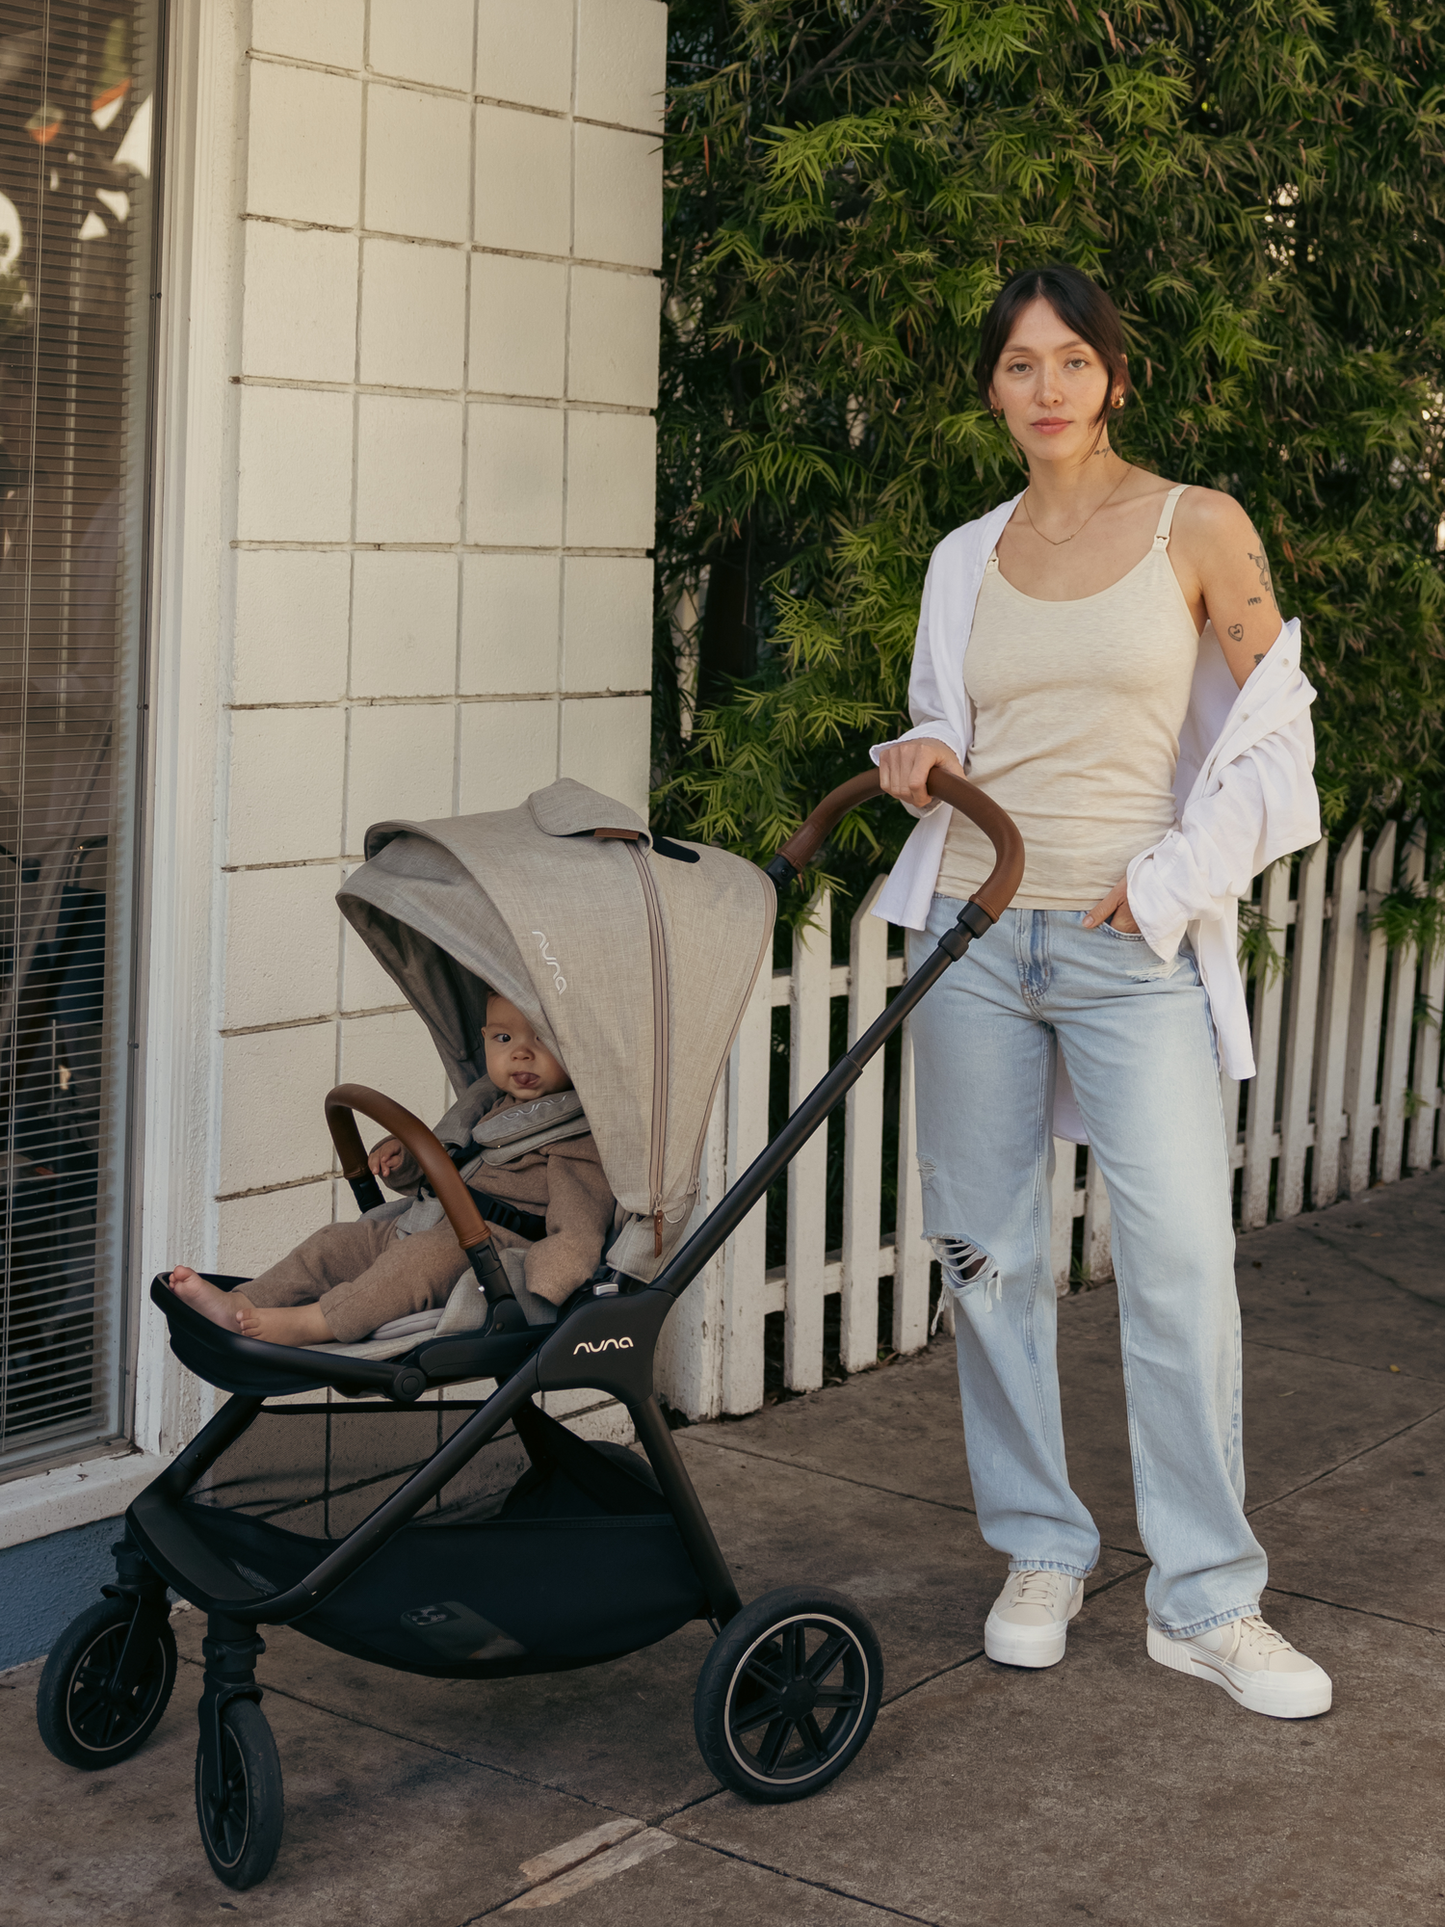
(241, 1820)
(788, 1694)
(81, 1720)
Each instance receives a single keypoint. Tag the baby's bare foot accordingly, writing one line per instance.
(284, 1324)
(221, 1307)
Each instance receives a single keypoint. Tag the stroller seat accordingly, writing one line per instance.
(464, 1311)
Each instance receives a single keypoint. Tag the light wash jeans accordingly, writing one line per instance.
(1138, 1041)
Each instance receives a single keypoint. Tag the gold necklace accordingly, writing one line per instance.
(1083, 525)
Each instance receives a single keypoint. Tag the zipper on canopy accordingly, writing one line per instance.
(660, 1038)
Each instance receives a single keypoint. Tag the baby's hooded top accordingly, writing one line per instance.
(562, 1181)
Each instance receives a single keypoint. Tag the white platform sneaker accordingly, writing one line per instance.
(1029, 1622)
(1254, 1664)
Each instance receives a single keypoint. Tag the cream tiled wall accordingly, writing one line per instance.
(446, 367)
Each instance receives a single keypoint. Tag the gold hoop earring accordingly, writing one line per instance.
(996, 413)
(1118, 401)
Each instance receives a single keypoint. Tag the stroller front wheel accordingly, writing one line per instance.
(241, 1818)
(788, 1694)
(83, 1719)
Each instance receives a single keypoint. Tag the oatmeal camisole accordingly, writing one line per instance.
(1077, 708)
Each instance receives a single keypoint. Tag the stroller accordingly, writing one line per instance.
(637, 955)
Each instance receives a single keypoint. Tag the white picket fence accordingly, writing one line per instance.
(1348, 1042)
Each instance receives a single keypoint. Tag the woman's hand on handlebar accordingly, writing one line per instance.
(903, 768)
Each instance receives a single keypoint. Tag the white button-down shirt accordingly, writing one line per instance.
(1244, 789)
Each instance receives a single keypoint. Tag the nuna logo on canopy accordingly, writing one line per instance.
(606, 1345)
(559, 982)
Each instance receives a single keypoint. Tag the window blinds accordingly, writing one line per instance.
(77, 139)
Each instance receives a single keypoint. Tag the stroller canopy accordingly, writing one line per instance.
(633, 964)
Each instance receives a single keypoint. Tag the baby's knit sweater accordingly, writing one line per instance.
(563, 1182)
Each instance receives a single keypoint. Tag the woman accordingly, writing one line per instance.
(1104, 656)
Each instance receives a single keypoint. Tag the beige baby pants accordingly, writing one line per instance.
(362, 1275)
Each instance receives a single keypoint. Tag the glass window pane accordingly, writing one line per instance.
(77, 132)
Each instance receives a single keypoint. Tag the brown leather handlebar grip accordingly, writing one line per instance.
(993, 896)
(458, 1203)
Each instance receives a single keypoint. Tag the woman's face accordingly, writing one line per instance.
(1051, 387)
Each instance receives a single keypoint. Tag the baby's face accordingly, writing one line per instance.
(517, 1061)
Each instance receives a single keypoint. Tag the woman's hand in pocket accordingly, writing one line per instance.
(1114, 909)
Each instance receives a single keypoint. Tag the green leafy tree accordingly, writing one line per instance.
(1260, 186)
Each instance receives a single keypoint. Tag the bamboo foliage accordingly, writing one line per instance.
(1262, 189)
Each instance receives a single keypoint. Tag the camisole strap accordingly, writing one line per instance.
(1166, 515)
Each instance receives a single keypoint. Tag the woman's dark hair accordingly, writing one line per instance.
(1078, 302)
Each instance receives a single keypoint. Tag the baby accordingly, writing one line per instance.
(347, 1279)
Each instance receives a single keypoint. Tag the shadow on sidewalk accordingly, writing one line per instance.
(1103, 1789)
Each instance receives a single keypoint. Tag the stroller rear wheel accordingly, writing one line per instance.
(82, 1718)
(241, 1819)
(788, 1694)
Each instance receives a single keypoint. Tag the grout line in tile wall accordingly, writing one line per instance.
(456, 247)
(405, 83)
(309, 1023)
(574, 404)
(355, 468)
(351, 572)
(264, 1190)
(435, 702)
(567, 372)
(270, 545)
(368, 75)
(464, 502)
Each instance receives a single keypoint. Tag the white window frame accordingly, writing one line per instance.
(175, 1099)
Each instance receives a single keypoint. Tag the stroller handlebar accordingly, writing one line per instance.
(992, 896)
(441, 1174)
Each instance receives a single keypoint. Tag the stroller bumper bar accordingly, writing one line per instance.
(440, 1173)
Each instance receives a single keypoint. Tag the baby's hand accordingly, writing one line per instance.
(386, 1157)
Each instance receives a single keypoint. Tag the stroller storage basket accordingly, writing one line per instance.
(480, 1600)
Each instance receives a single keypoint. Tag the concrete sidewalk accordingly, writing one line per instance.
(1104, 1789)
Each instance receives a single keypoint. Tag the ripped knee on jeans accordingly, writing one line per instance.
(966, 1267)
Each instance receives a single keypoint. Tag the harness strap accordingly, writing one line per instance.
(526, 1224)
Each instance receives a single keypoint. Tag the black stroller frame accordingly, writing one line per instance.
(775, 1666)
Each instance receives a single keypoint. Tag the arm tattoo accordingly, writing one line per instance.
(1259, 659)
(1253, 600)
(1236, 633)
(1261, 562)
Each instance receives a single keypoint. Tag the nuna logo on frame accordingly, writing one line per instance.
(606, 1345)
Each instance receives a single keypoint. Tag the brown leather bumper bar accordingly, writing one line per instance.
(441, 1174)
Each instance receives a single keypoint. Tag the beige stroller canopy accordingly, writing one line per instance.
(633, 964)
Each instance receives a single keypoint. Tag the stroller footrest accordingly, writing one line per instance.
(253, 1367)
